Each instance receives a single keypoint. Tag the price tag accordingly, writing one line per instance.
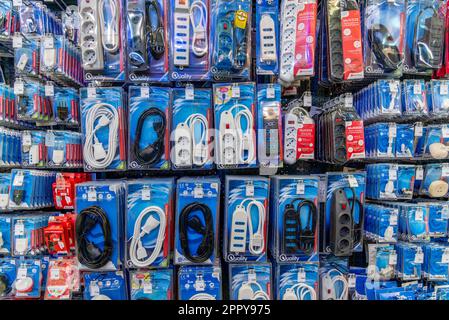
(144, 92)
(146, 193)
(49, 90)
(271, 92)
(445, 170)
(300, 187)
(19, 88)
(393, 173)
(307, 100)
(21, 273)
(198, 192)
(392, 130)
(17, 42)
(419, 214)
(444, 88)
(235, 91)
(92, 195)
(393, 220)
(419, 173)
(352, 182)
(445, 131)
(147, 287)
(54, 274)
(392, 259)
(91, 92)
(49, 43)
(445, 256)
(419, 257)
(418, 129)
(249, 190)
(348, 101)
(445, 212)
(18, 180)
(26, 140)
(417, 88)
(19, 229)
(190, 92)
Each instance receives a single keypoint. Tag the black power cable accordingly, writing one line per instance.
(89, 254)
(206, 247)
(155, 30)
(295, 235)
(153, 152)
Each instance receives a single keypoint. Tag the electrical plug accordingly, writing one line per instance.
(151, 224)
(245, 292)
(99, 152)
(289, 295)
(141, 251)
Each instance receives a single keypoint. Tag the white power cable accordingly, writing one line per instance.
(299, 291)
(256, 241)
(199, 157)
(246, 139)
(93, 152)
(137, 252)
(110, 32)
(246, 291)
(329, 288)
(202, 296)
(199, 40)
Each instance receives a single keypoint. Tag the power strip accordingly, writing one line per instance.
(328, 286)
(183, 146)
(267, 39)
(228, 139)
(296, 119)
(342, 222)
(90, 33)
(288, 37)
(182, 33)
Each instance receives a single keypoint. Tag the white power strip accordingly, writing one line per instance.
(267, 39)
(182, 33)
(90, 31)
(228, 140)
(328, 286)
(288, 39)
(294, 120)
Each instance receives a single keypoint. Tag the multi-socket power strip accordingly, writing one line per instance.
(182, 33)
(91, 48)
(267, 39)
(297, 147)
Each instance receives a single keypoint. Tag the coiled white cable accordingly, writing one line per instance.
(202, 296)
(110, 32)
(256, 240)
(138, 254)
(246, 139)
(93, 151)
(329, 289)
(199, 40)
(197, 157)
(246, 292)
(300, 292)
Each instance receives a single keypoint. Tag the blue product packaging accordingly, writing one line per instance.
(199, 283)
(267, 34)
(235, 114)
(343, 219)
(5, 182)
(246, 219)
(381, 223)
(414, 98)
(269, 123)
(197, 220)
(33, 146)
(189, 40)
(105, 286)
(230, 38)
(99, 207)
(250, 282)
(149, 127)
(27, 281)
(147, 40)
(409, 262)
(297, 281)
(413, 222)
(438, 97)
(382, 260)
(151, 284)
(8, 271)
(436, 141)
(103, 128)
(436, 262)
(405, 140)
(438, 218)
(192, 145)
(295, 218)
(148, 222)
(26, 57)
(102, 40)
(5, 234)
(435, 180)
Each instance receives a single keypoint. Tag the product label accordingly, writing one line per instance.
(305, 39)
(352, 44)
(241, 19)
(305, 141)
(355, 140)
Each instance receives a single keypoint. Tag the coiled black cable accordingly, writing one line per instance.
(206, 247)
(89, 254)
(153, 152)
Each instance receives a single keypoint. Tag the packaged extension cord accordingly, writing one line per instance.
(230, 53)
(436, 145)
(436, 262)
(148, 222)
(105, 286)
(149, 127)
(189, 40)
(438, 98)
(197, 219)
(435, 180)
(147, 40)
(246, 219)
(295, 218)
(438, 218)
(26, 56)
(383, 37)
(413, 222)
(382, 260)
(267, 35)
(297, 281)
(154, 284)
(410, 258)
(103, 128)
(192, 145)
(199, 283)
(23, 238)
(414, 98)
(424, 36)
(381, 223)
(102, 40)
(390, 181)
(235, 114)
(99, 205)
(269, 122)
(250, 282)
(33, 146)
(64, 149)
(344, 216)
